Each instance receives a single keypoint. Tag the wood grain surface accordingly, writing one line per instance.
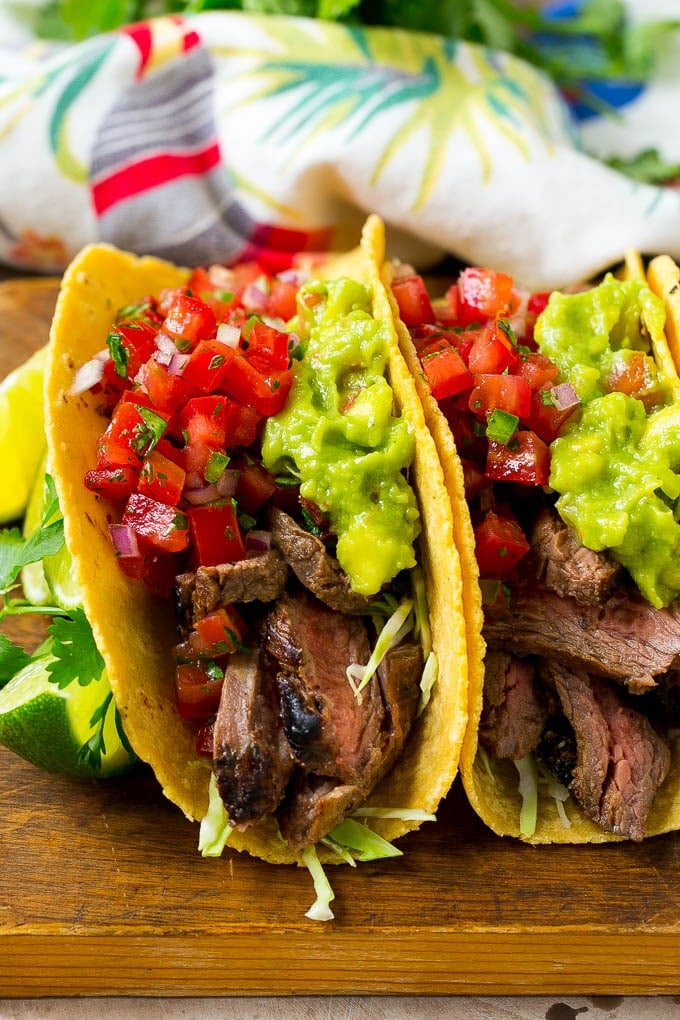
(102, 889)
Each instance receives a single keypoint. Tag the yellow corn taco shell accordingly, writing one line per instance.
(492, 785)
(136, 631)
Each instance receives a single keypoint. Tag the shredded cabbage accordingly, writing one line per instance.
(370, 845)
(215, 827)
(528, 791)
(395, 629)
(557, 791)
(427, 681)
(320, 909)
(405, 814)
(421, 629)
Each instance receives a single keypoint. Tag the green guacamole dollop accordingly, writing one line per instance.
(616, 468)
(338, 434)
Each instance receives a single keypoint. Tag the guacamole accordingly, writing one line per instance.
(339, 436)
(617, 466)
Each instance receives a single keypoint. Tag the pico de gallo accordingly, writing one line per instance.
(187, 380)
(500, 395)
(484, 349)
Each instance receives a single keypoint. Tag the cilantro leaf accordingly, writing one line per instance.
(12, 659)
(76, 654)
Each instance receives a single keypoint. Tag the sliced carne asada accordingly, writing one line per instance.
(566, 566)
(313, 565)
(315, 804)
(331, 731)
(515, 712)
(621, 760)
(258, 578)
(252, 759)
(626, 638)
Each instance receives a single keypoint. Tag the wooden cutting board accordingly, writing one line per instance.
(102, 889)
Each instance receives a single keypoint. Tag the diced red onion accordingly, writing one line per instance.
(564, 397)
(228, 335)
(166, 348)
(226, 483)
(296, 276)
(258, 541)
(193, 480)
(177, 363)
(199, 497)
(124, 541)
(293, 341)
(254, 298)
(89, 374)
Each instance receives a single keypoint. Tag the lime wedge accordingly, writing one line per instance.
(49, 582)
(33, 581)
(22, 434)
(49, 727)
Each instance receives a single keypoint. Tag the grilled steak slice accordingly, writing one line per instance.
(626, 638)
(515, 712)
(331, 731)
(567, 567)
(621, 760)
(313, 565)
(251, 756)
(315, 804)
(259, 578)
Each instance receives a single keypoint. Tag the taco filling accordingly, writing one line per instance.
(252, 450)
(563, 410)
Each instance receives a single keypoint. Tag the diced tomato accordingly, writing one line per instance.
(254, 487)
(132, 432)
(445, 370)
(216, 534)
(525, 459)
(204, 420)
(242, 423)
(447, 310)
(190, 319)
(469, 443)
(157, 569)
(267, 393)
(219, 633)
(168, 392)
(198, 691)
(161, 479)
(130, 345)
(282, 299)
(473, 477)
(161, 525)
(114, 483)
(636, 376)
(207, 365)
(545, 419)
(413, 301)
(510, 393)
(537, 369)
(174, 454)
(500, 544)
(492, 351)
(222, 300)
(484, 294)
(267, 347)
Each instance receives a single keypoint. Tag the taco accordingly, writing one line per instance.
(253, 512)
(556, 419)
